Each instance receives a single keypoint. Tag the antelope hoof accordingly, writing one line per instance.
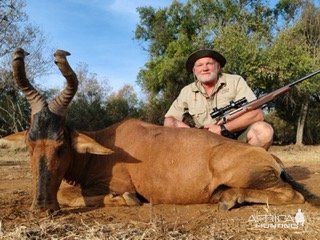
(225, 206)
(131, 199)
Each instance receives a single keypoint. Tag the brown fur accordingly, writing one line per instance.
(165, 165)
(184, 166)
(161, 165)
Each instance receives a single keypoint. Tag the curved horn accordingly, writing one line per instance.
(36, 101)
(60, 103)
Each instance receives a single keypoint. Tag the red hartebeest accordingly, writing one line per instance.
(154, 163)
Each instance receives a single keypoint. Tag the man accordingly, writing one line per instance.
(211, 89)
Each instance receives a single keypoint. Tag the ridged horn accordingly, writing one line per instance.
(60, 103)
(35, 99)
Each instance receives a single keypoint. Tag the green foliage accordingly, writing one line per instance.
(312, 127)
(284, 132)
(288, 10)
(93, 113)
(86, 115)
(292, 56)
(241, 50)
(93, 109)
(269, 47)
(123, 104)
(197, 24)
(169, 32)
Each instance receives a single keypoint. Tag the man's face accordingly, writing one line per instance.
(206, 70)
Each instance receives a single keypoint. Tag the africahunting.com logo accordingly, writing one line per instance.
(277, 220)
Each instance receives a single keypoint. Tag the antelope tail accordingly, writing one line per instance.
(308, 196)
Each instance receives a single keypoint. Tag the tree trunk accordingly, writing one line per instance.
(301, 121)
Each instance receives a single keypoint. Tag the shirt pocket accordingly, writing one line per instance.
(224, 101)
(198, 115)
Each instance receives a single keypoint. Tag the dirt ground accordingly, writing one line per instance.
(201, 221)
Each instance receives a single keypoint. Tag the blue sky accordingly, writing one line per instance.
(96, 32)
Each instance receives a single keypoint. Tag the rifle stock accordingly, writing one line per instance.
(261, 101)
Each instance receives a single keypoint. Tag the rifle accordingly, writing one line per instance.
(242, 106)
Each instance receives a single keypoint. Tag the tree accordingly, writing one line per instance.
(269, 47)
(169, 32)
(95, 106)
(17, 32)
(172, 33)
(295, 53)
(14, 108)
(309, 26)
(122, 104)
(86, 111)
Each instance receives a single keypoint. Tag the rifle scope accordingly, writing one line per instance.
(233, 104)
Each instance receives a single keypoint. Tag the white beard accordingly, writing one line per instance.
(213, 76)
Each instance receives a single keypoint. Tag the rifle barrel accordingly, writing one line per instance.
(220, 113)
(303, 78)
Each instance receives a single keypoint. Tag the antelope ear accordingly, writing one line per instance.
(85, 144)
(14, 141)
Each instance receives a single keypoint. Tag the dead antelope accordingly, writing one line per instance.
(149, 162)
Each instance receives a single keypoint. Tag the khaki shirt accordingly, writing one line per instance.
(194, 98)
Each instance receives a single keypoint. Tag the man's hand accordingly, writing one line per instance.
(172, 122)
(213, 128)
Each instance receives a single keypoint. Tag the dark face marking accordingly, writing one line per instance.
(43, 181)
(46, 125)
(49, 153)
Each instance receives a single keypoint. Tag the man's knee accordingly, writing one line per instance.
(260, 134)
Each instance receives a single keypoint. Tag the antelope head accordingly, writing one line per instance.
(47, 139)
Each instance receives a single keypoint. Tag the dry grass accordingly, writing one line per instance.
(292, 153)
(157, 228)
(149, 222)
(93, 230)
